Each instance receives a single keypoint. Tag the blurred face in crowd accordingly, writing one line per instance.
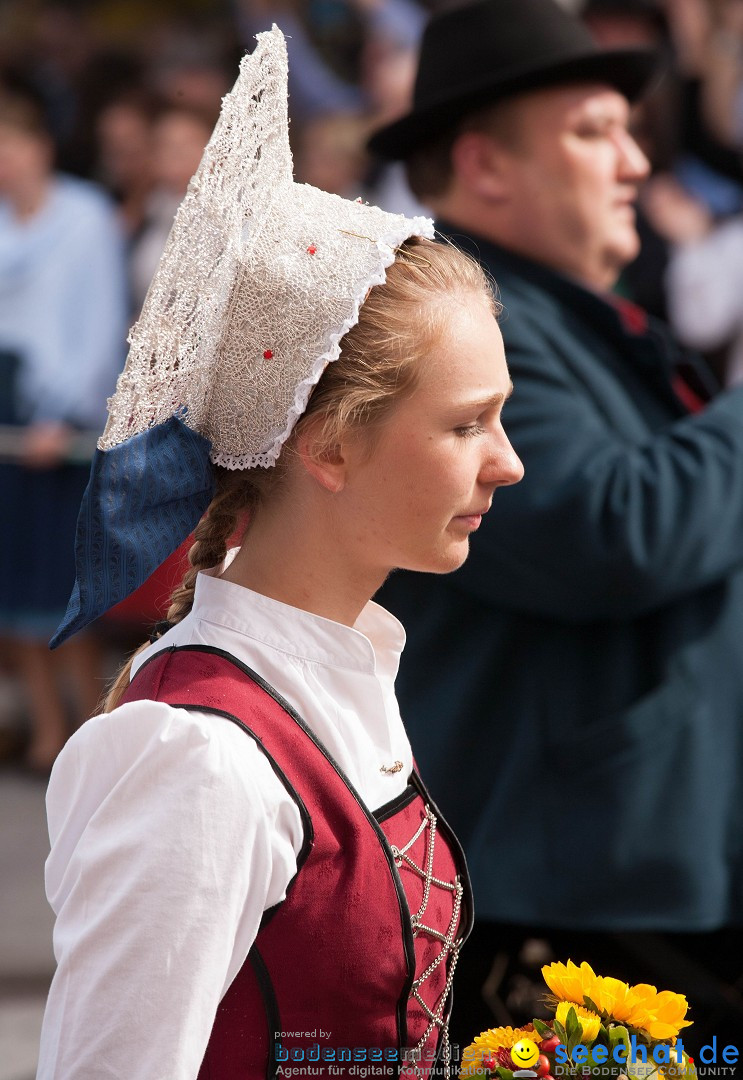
(331, 154)
(124, 145)
(178, 141)
(25, 160)
(564, 180)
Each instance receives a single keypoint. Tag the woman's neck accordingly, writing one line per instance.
(298, 554)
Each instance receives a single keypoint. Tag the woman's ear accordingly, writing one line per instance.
(324, 463)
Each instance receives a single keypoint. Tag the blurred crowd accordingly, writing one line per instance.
(105, 108)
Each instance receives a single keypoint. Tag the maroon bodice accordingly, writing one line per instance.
(354, 967)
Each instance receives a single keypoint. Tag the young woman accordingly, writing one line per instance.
(248, 874)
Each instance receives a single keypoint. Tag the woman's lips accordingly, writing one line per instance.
(471, 521)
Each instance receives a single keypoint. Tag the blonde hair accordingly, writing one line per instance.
(378, 364)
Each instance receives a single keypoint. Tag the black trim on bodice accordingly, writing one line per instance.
(406, 922)
(398, 803)
(414, 789)
(270, 1004)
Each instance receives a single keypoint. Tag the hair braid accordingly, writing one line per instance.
(233, 498)
(210, 540)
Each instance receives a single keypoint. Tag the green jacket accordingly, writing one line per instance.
(574, 693)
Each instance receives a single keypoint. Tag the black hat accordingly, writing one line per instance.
(478, 53)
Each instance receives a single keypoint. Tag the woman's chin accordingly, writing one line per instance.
(446, 562)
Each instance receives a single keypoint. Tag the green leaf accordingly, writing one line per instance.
(571, 1023)
(503, 1073)
(602, 1039)
(589, 1004)
(560, 1032)
(543, 1029)
(618, 1034)
(574, 1030)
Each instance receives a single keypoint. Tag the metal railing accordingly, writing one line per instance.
(80, 451)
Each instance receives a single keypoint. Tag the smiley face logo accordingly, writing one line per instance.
(524, 1053)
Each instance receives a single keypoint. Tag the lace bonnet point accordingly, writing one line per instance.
(259, 281)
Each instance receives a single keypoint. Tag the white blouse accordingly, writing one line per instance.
(170, 833)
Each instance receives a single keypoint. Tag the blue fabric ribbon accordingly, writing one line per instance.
(142, 500)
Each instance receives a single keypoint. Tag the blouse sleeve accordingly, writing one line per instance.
(170, 835)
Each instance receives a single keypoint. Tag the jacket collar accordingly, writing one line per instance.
(499, 260)
(646, 342)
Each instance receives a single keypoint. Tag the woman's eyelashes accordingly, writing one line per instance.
(487, 421)
(467, 431)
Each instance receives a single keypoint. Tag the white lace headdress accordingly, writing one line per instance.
(259, 281)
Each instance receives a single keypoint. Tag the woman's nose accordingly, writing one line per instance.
(504, 467)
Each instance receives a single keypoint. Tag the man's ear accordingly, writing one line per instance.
(480, 166)
(325, 464)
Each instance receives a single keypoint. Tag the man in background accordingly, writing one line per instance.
(575, 692)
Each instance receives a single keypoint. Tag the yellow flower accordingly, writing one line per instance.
(568, 982)
(658, 1015)
(613, 997)
(644, 993)
(667, 1012)
(488, 1042)
(589, 1021)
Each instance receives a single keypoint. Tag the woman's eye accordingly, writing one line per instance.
(470, 430)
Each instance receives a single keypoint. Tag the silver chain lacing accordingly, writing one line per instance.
(449, 943)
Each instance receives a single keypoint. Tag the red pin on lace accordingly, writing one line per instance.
(312, 249)
(267, 354)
